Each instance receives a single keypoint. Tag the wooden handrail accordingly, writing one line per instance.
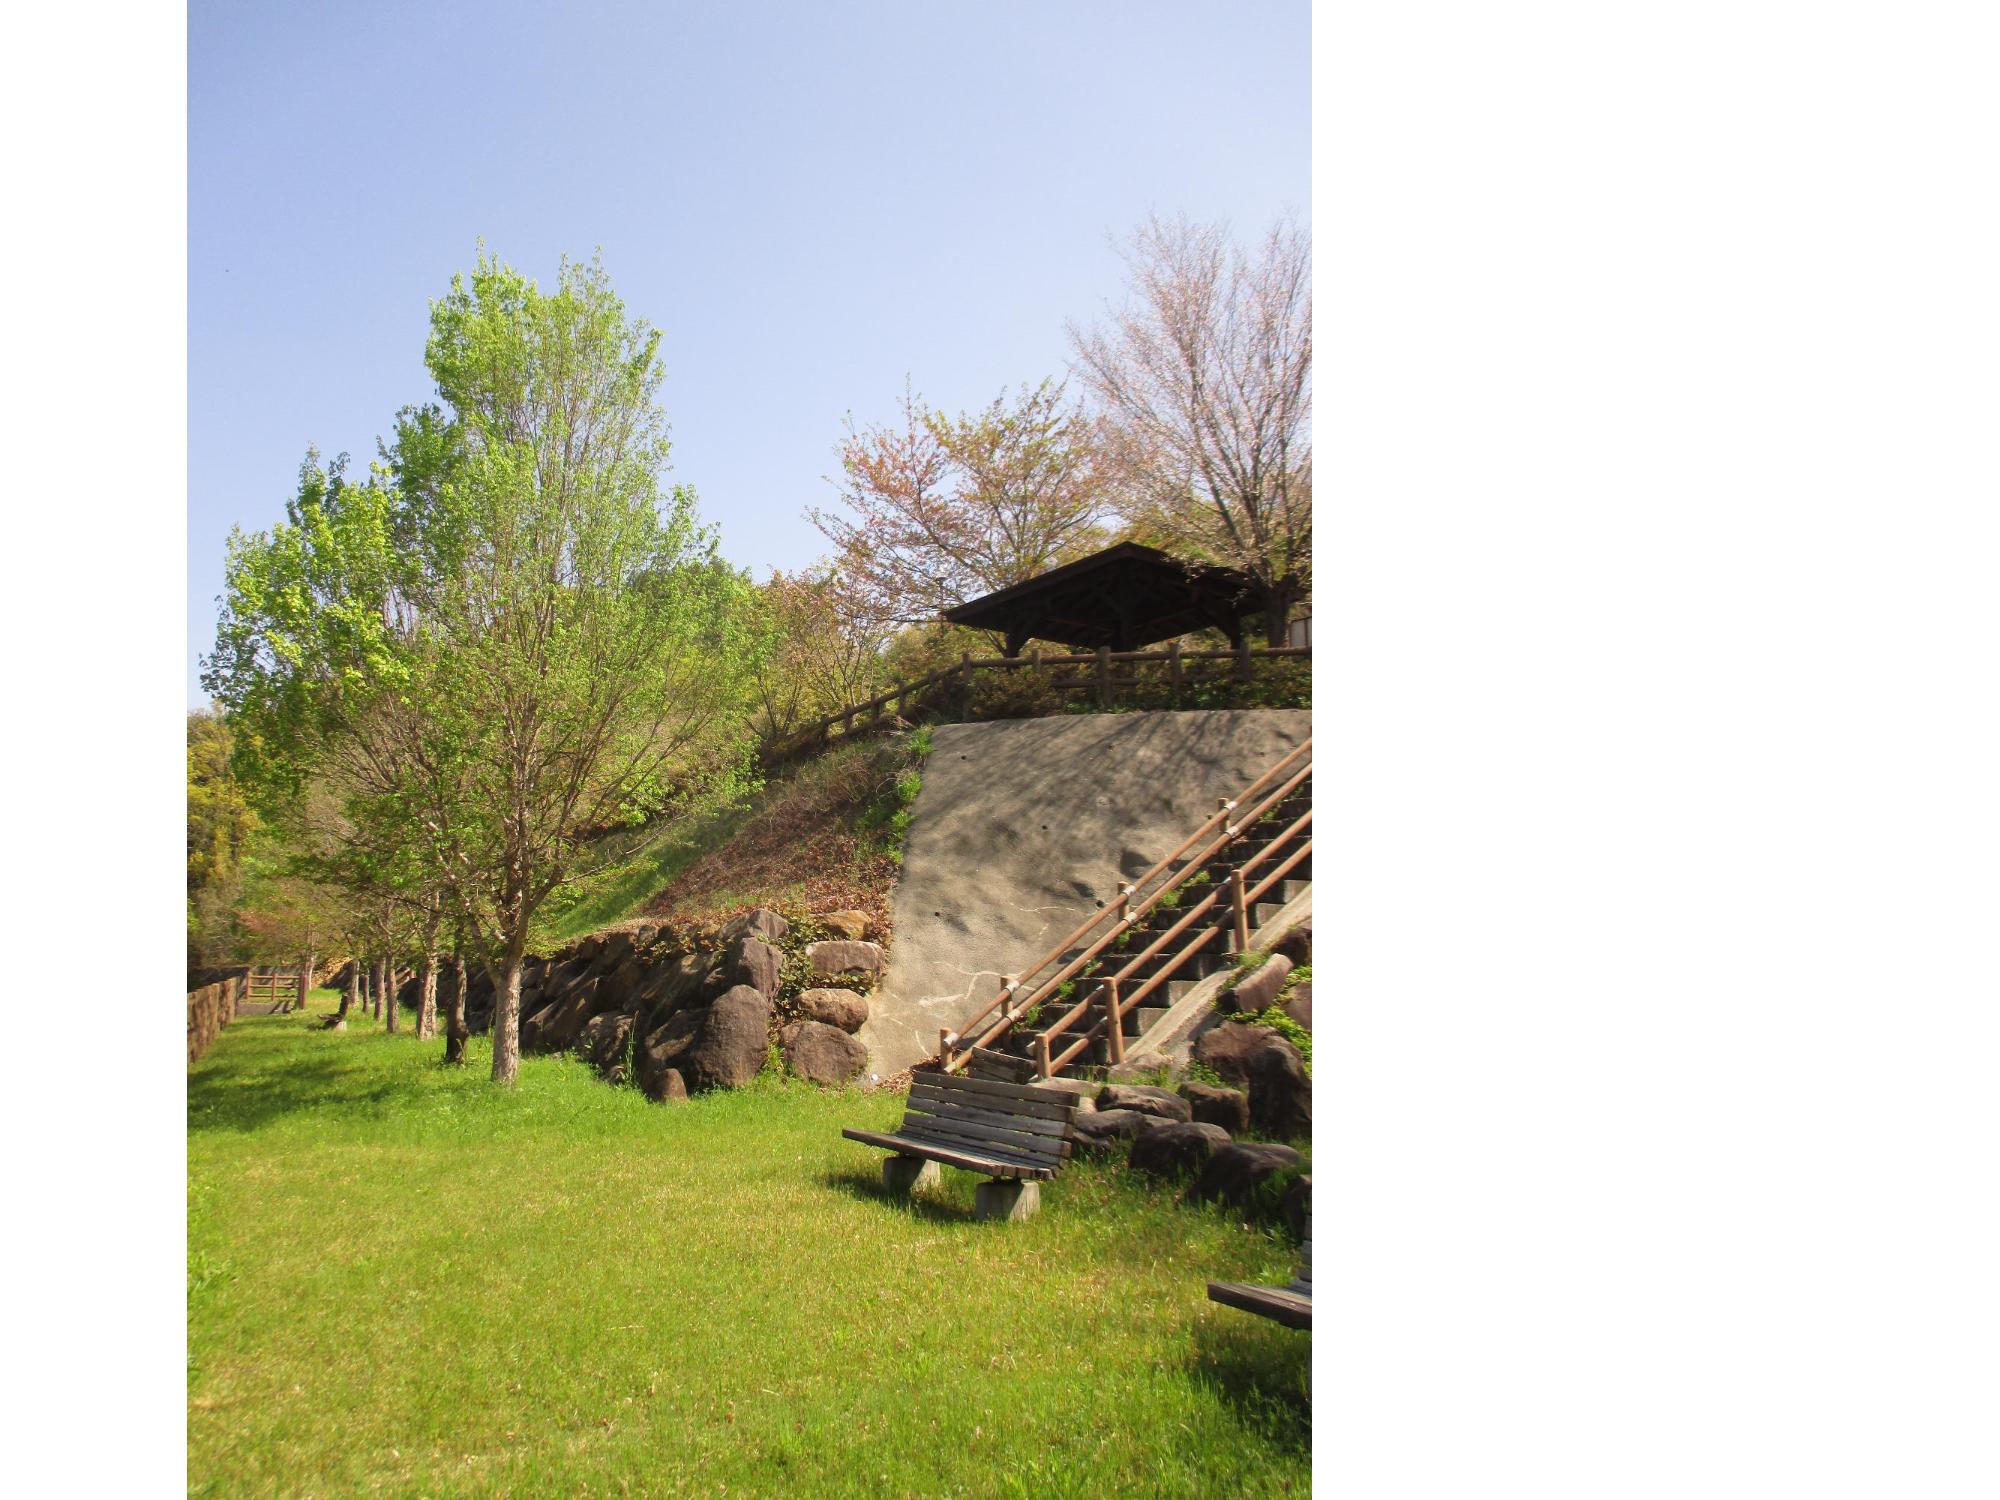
(966, 666)
(1263, 797)
(1123, 915)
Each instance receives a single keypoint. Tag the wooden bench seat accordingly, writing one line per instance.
(1290, 1305)
(1015, 1134)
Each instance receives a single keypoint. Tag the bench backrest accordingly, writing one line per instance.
(1014, 1121)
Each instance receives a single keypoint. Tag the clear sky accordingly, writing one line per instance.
(811, 200)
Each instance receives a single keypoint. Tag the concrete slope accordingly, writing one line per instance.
(1025, 826)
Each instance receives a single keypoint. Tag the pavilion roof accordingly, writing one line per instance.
(1125, 597)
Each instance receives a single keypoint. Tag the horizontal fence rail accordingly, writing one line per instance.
(1183, 668)
(1123, 990)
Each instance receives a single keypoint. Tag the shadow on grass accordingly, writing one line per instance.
(857, 1182)
(1261, 1372)
(246, 1098)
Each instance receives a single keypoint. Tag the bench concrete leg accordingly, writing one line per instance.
(1007, 1199)
(903, 1175)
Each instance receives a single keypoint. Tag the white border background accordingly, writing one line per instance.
(1657, 609)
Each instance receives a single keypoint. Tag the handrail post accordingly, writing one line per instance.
(1042, 1055)
(1242, 910)
(1114, 1039)
(944, 1049)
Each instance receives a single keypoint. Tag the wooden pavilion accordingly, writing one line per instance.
(1125, 597)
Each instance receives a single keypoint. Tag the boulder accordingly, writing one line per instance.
(604, 1038)
(532, 1024)
(674, 983)
(1140, 1067)
(832, 958)
(761, 923)
(1281, 1101)
(1260, 986)
(729, 1049)
(851, 926)
(666, 1046)
(1103, 1129)
(1175, 1150)
(666, 1085)
(821, 1053)
(1298, 1204)
(562, 1020)
(1297, 945)
(1232, 1174)
(1299, 1004)
(1145, 1100)
(1212, 1105)
(751, 961)
(1226, 1050)
(842, 1008)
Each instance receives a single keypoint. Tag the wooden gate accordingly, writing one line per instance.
(272, 993)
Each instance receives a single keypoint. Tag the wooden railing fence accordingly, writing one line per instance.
(1096, 676)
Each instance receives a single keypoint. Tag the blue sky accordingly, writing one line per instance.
(810, 200)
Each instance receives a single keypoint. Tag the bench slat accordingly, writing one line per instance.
(1059, 1113)
(1278, 1303)
(991, 1166)
(986, 1137)
(930, 1103)
(996, 1089)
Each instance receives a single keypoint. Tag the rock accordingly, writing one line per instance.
(1102, 1129)
(1229, 1108)
(1140, 1067)
(821, 1053)
(667, 1045)
(604, 1038)
(1175, 1150)
(760, 923)
(729, 1049)
(842, 1008)
(1299, 1004)
(674, 984)
(1297, 945)
(562, 1020)
(849, 925)
(833, 957)
(1280, 1093)
(1226, 1050)
(1260, 987)
(531, 1025)
(666, 1085)
(753, 962)
(1298, 1204)
(1231, 1175)
(1147, 1101)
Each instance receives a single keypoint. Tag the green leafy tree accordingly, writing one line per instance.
(512, 637)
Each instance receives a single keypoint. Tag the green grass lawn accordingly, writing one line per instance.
(404, 1281)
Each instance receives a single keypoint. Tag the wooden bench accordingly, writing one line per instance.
(1015, 1134)
(1290, 1305)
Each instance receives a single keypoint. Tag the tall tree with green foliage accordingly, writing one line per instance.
(530, 637)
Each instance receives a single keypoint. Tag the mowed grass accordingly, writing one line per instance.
(404, 1281)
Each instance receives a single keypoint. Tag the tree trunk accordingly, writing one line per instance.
(351, 996)
(1278, 601)
(306, 979)
(393, 1011)
(427, 998)
(455, 1030)
(507, 1016)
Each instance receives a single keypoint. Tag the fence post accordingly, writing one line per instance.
(1104, 677)
(1243, 659)
(1174, 668)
